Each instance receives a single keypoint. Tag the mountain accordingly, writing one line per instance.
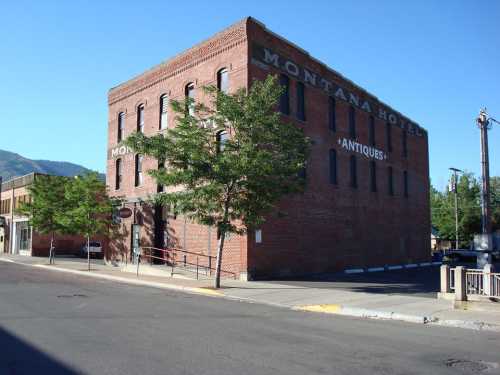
(13, 165)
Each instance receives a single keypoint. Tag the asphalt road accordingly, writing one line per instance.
(55, 323)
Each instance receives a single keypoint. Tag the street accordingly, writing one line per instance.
(55, 323)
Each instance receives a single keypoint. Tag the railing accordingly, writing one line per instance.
(495, 284)
(475, 281)
(188, 260)
(470, 282)
(452, 278)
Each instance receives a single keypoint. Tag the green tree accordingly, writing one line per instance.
(495, 203)
(90, 209)
(469, 210)
(46, 207)
(229, 163)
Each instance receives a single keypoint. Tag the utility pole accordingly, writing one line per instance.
(454, 188)
(484, 123)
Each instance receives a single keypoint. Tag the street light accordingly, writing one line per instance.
(453, 188)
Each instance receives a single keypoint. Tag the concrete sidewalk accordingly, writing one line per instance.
(409, 308)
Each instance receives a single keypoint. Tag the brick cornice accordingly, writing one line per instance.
(206, 50)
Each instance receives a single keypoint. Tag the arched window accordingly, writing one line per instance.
(332, 114)
(352, 122)
(189, 94)
(138, 170)
(118, 174)
(121, 127)
(390, 181)
(285, 95)
(301, 101)
(140, 118)
(223, 80)
(371, 131)
(333, 166)
(405, 183)
(373, 176)
(222, 137)
(354, 172)
(163, 112)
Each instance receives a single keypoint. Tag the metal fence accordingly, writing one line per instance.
(478, 282)
(495, 284)
(475, 281)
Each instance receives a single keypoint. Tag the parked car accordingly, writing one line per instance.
(95, 250)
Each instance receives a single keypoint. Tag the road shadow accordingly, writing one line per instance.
(21, 358)
(419, 282)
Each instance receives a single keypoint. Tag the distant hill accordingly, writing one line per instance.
(13, 165)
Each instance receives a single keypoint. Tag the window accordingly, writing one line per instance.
(388, 137)
(5, 206)
(163, 112)
(189, 93)
(331, 114)
(223, 80)
(138, 170)
(118, 174)
(371, 131)
(405, 183)
(373, 176)
(121, 127)
(161, 165)
(390, 181)
(333, 166)
(222, 138)
(285, 95)
(140, 118)
(352, 122)
(301, 102)
(354, 172)
(404, 140)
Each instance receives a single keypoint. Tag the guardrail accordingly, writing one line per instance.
(188, 260)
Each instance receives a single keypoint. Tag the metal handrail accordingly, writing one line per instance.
(172, 253)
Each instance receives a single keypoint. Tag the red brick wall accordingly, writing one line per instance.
(333, 227)
(199, 65)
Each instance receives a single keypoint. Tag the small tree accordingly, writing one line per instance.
(90, 209)
(46, 207)
(230, 163)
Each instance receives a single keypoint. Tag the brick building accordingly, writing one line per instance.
(17, 236)
(367, 197)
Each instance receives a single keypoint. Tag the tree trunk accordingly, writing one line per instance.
(220, 247)
(88, 251)
(51, 250)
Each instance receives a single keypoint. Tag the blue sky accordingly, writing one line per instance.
(435, 61)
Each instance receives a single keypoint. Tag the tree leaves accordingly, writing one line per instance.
(258, 164)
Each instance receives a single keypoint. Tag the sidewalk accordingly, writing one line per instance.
(319, 300)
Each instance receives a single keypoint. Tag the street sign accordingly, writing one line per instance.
(124, 212)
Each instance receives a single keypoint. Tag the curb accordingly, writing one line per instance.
(187, 289)
(335, 309)
(386, 315)
(364, 313)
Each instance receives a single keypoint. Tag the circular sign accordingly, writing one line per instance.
(124, 212)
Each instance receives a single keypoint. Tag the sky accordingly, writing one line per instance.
(436, 62)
